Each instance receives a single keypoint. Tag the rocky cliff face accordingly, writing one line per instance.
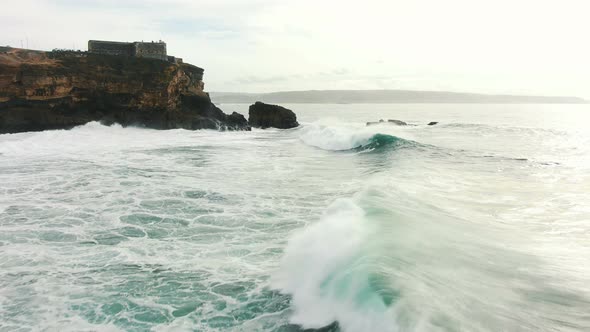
(55, 90)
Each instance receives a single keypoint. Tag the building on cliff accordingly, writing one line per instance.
(152, 50)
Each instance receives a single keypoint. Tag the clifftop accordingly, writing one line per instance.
(60, 89)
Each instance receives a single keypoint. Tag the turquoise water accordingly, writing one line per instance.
(480, 223)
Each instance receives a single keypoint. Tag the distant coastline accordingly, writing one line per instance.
(386, 97)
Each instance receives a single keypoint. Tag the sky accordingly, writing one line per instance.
(539, 47)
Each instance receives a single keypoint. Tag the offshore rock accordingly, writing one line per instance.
(390, 121)
(59, 90)
(375, 122)
(263, 115)
(397, 122)
(432, 123)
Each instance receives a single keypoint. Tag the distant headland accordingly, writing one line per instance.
(386, 97)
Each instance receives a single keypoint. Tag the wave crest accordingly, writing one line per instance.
(326, 271)
(346, 138)
(380, 141)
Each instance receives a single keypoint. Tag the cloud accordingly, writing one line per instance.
(202, 27)
(318, 76)
(258, 80)
(113, 5)
(481, 46)
(337, 78)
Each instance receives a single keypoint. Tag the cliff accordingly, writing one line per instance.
(57, 90)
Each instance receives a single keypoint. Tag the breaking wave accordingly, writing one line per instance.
(327, 270)
(387, 261)
(380, 141)
(346, 138)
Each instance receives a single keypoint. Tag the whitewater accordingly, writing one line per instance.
(478, 223)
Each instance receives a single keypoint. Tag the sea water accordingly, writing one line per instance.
(478, 223)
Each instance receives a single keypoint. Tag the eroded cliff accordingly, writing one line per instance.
(55, 90)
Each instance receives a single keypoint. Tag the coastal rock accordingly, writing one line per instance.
(59, 90)
(390, 121)
(397, 122)
(263, 115)
(375, 122)
(237, 120)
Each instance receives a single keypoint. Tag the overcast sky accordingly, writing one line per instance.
(489, 46)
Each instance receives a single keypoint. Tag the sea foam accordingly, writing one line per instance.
(326, 271)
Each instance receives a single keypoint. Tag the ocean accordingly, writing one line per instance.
(478, 223)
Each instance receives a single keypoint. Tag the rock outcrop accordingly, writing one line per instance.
(390, 121)
(263, 115)
(397, 122)
(58, 90)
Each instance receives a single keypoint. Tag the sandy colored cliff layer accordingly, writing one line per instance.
(47, 90)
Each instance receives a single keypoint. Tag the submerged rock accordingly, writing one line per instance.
(59, 90)
(263, 115)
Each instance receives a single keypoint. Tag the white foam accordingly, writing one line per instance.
(336, 138)
(94, 138)
(322, 258)
(330, 134)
